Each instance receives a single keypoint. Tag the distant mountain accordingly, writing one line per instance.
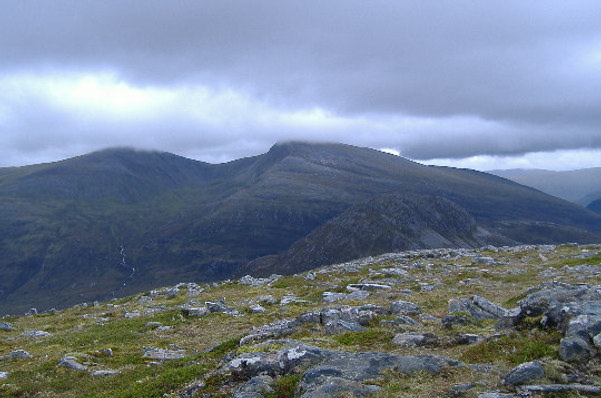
(120, 221)
(578, 186)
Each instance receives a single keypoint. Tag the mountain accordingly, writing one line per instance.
(120, 221)
(578, 186)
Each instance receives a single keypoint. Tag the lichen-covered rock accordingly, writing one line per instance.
(559, 302)
(6, 326)
(574, 349)
(256, 309)
(524, 373)
(20, 354)
(220, 307)
(410, 339)
(364, 368)
(367, 286)
(448, 321)
(195, 311)
(72, 362)
(405, 308)
(339, 326)
(162, 354)
(274, 330)
(293, 357)
(477, 307)
(331, 386)
(36, 333)
(256, 387)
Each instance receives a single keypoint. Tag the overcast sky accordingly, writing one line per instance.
(479, 84)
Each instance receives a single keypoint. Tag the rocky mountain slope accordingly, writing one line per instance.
(582, 187)
(119, 221)
(474, 323)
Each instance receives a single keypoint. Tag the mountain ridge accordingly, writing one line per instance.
(119, 221)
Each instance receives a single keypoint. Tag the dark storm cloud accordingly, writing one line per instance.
(432, 79)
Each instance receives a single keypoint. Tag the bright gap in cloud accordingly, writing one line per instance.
(557, 160)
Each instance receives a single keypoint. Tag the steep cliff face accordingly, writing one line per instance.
(386, 223)
(119, 221)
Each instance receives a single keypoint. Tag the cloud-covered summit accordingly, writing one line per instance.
(219, 80)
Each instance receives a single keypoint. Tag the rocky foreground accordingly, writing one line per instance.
(495, 322)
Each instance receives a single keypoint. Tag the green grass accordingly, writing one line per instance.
(368, 338)
(285, 386)
(514, 349)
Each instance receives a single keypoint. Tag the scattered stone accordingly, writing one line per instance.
(153, 324)
(585, 326)
(131, 315)
(309, 317)
(411, 339)
(274, 330)
(20, 354)
(195, 312)
(559, 302)
(393, 272)
(6, 326)
(162, 354)
(428, 287)
(574, 349)
(483, 260)
(332, 297)
(460, 389)
(36, 333)
(290, 298)
(524, 373)
(449, 321)
(405, 320)
(268, 299)
(561, 387)
(495, 395)
(194, 292)
(365, 367)
(102, 373)
(220, 307)
(339, 326)
(31, 312)
(510, 320)
(4, 375)
(310, 276)
(477, 307)
(72, 362)
(405, 308)
(251, 281)
(469, 338)
(367, 286)
(293, 357)
(257, 309)
(145, 299)
(428, 318)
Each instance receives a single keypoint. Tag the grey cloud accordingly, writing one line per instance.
(532, 68)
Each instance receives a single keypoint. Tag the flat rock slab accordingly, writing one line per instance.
(524, 373)
(562, 387)
(356, 368)
(367, 286)
(162, 354)
(71, 362)
(6, 326)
